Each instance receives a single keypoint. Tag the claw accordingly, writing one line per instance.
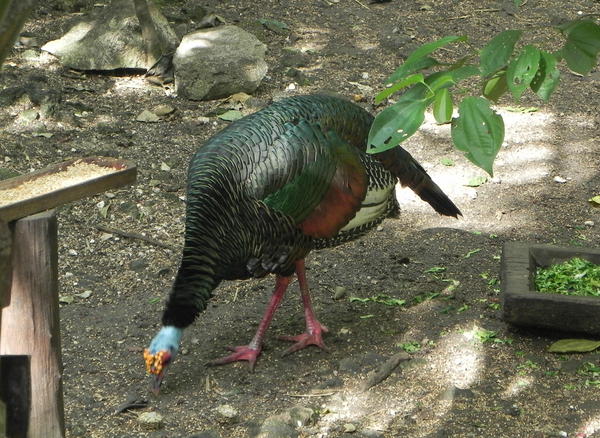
(311, 337)
(241, 352)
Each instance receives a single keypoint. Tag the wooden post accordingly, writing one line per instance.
(15, 386)
(30, 324)
(5, 278)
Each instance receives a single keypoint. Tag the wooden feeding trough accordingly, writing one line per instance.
(29, 325)
(525, 306)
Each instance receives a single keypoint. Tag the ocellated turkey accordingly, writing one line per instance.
(267, 190)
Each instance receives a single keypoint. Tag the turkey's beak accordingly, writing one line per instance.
(157, 381)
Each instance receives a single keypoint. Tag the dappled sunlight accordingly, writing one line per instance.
(526, 127)
(313, 38)
(196, 41)
(591, 425)
(457, 361)
(534, 152)
(517, 385)
(39, 60)
(461, 357)
(129, 86)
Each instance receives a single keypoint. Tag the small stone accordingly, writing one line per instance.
(301, 416)
(150, 420)
(349, 428)
(72, 252)
(147, 117)
(589, 223)
(273, 428)
(85, 294)
(138, 265)
(559, 179)
(339, 292)
(30, 55)
(379, 228)
(228, 413)
(28, 116)
(364, 75)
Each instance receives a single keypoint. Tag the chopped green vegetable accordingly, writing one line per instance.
(410, 347)
(576, 276)
(381, 299)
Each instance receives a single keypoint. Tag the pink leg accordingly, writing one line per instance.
(251, 351)
(314, 329)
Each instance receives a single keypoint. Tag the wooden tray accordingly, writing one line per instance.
(124, 173)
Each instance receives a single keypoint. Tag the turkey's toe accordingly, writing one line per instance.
(313, 337)
(242, 352)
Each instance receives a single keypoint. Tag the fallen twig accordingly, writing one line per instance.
(131, 235)
(384, 371)
(318, 394)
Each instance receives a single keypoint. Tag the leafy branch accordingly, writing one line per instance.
(478, 131)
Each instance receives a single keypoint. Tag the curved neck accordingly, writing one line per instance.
(193, 286)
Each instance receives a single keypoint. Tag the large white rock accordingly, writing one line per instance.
(218, 62)
(111, 39)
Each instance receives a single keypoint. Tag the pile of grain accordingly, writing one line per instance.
(76, 173)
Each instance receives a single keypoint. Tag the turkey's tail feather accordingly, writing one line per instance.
(410, 173)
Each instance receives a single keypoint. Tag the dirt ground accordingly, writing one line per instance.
(472, 375)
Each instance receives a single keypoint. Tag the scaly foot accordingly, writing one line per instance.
(241, 352)
(314, 336)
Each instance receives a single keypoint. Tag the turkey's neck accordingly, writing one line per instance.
(194, 283)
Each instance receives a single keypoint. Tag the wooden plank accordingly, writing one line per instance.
(30, 324)
(125, 173)
(15, 388)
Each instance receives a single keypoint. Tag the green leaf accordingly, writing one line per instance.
(517, 3)
(406, 82)
(573, 346)
(497, 52)
(478, 132)
(439, 80)
(398, 122)
(447, 161)
(476, 181)
(582, 45)
(442, 106)
(276, 26)
(231, 115)
(464, 72)
(595, 201)
(522, 70)
(406, 69)
(547, 76)
(495, 87)
(471, 253)
(417, 59)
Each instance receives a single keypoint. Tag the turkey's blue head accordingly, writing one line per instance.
(160, 354)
